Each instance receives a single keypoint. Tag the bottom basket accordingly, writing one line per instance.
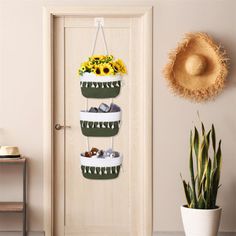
(100, 168)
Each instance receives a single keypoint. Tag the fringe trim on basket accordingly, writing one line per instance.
(116, 84)
(100, 125)
(100, 170)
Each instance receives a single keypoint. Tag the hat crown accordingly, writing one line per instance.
(9, 150)
(195, 64)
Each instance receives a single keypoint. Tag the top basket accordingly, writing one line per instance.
(100, 76)
(94, 86)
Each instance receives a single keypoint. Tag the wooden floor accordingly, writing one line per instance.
(20, 234)
(182, 234)
(155, 234)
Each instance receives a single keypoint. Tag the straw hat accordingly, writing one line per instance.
(197, 68)
(9, 152)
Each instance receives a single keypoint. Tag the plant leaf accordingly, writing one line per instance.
(208, 185)
(202, 161)
(208, 139)
(213, 188)
(196, 141)
(202, 190)
(187, 193)
(213, 138)
(192, 175)
(216, 176)
(201, 202)
(219, 155)
(203, 129)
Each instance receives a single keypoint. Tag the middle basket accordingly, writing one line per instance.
(100, 124)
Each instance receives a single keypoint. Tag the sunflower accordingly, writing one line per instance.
(122, 69)
(102, 65)
(109, 57)
(98, 70)
(89, 65)
(107, 69)
(116, 66)
(83, 68)
(96, 58)
(120, 62)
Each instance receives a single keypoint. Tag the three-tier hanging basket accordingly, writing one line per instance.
(100, 124)
(100, 168)
(100, 77)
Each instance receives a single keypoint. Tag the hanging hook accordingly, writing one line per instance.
(99, 21)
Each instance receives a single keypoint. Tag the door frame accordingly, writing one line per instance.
(126, 11)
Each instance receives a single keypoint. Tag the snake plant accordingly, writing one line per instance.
(201, 191)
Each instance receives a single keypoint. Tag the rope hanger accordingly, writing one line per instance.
(99, 27)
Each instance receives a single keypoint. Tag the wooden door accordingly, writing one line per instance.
(117, 207)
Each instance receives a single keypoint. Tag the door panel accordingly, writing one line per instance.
(98, 207)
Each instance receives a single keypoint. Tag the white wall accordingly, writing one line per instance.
(175, 116)
(21, 99)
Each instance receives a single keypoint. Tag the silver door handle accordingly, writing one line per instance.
(58, 126)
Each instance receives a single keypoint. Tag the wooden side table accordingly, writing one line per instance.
(16, 207)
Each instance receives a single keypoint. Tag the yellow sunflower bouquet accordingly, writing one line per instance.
(102, 65)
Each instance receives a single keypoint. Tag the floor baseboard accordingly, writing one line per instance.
(154, 234)
(18, 233)
(182, 234)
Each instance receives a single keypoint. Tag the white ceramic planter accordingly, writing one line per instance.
(201, 222)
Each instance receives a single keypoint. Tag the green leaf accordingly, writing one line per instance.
(187, 193)
(192, 175)
(202, 160)
(204, 171)
(196, 142)
(219, 155)
(214, 189)
(199, 158)
(192, 204)
(201, 202)
(213, 138)
(208, 184)
(203, 129)
(202, 190)
(208, 139)
(216, 176)
(202, 186)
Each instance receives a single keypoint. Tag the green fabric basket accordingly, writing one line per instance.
(101, 173)
(94, 86)
(104, 90)
(90, 129)
(99, 124)
(100, 168)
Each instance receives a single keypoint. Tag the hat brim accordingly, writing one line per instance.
(10, 156)
(206, 85)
